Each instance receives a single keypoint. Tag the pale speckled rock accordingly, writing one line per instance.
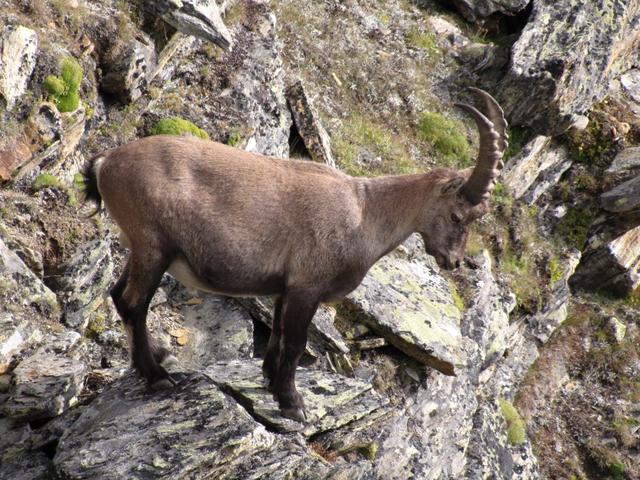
(18, 49)
(538, 167)
(201, 18)
(561, 64)
(191, 431)
(474, 10)
(411, 305)
(554, 311)
(331, 400)
(486, 317)
(219, 330)
(612, 265)
(44, 386)
(315, 137)
(85, 282)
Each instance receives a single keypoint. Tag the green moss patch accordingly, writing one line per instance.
(574, 226)
(449, 144)
(178, 126)
(63, 89)
(515, 425)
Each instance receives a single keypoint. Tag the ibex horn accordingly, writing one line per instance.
(493, 142)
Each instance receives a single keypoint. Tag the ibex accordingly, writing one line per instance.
(241, 224)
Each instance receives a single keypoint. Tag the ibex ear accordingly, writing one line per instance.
(452, 186)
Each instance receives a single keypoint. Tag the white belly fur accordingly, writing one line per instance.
(182, 272)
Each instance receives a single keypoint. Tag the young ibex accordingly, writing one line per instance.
(237, 223)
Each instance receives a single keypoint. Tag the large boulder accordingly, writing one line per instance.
(562, 64)
(18, 49)
(411, 305)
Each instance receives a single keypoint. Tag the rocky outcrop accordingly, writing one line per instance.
(535, 169)
(475, 10)
(18, 49)
(411, 305)
(201, 18)
(626, 164)
(610, 265)
(315, 137)
(561, 65)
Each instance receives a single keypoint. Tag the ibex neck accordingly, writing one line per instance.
(391, 207)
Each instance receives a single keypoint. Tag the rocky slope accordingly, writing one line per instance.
(540, 325)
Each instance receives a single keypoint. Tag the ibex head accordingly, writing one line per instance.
(463, 196)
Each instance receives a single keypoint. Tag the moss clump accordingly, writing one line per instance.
(46, 180)
(515, 425)
(555, 272)
(64, 88)
(234, 139)
(448, 142)
(178, 126)
(574, 226)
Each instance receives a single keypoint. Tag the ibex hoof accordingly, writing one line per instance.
(163, 383)
(169, 361)
(294, 413)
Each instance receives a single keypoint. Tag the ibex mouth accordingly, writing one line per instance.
(446, 262)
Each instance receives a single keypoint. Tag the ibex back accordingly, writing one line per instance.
(228, 221)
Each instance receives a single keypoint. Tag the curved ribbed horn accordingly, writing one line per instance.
(493, 142)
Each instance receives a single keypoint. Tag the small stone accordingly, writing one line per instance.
(182, 340)
(178, 332)
(617, 328)
(193, 301)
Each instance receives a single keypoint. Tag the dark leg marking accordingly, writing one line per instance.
(272, 355)
(298, 309)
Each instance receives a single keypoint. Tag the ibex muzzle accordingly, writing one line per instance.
(237, 223)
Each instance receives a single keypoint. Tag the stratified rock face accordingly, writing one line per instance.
(613, 266)
(23, 297)
(538, 167)
(474, 10)
(192, 431)
(623, 198)
(18, 48)
(563, 61)
(411, 305)
(85, 282)
(45, 385)
(626, 163)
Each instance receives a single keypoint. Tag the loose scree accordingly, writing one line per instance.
(237, 223)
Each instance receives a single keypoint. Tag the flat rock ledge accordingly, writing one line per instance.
(412, 307)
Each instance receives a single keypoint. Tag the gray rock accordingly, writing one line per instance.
(219, 330)
(561, 64)
(331, 400)
(623, 198)
(630, 82)
(201, 18)
(315, 137)
(18, 49)
(412, 307)
(85, 282)
(626, 163)
(44, 386)
(537, 168)
(192, 431)
(474, 10)
(128, 68)
(612, 265)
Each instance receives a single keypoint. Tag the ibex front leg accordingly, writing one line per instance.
(298, 308)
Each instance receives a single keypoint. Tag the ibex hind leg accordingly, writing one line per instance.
(132, 297)
(272, 355)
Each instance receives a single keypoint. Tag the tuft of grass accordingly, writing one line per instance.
(46, 180)
(573, 228)
(515, 425)
(555, 272)
(423, 40)
(178, 126)
(234, 139)
(63, 89)
(449, 144)
(517, 140)
(360, 134)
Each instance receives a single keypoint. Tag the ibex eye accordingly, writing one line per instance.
(456, 218)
